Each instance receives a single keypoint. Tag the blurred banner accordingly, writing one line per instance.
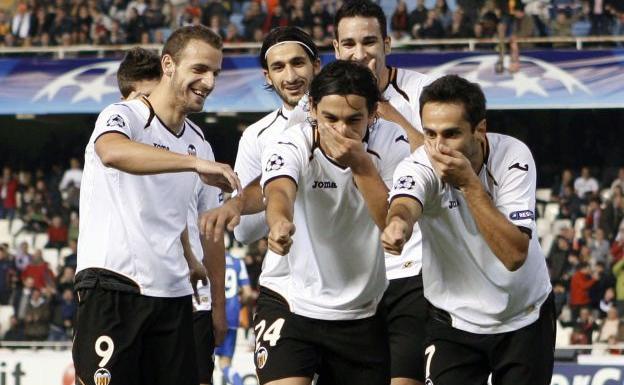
(546, 80)
(47, 367)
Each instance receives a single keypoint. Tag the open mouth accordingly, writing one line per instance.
(200, 93)
(294, 87)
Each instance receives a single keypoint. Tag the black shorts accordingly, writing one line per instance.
(522, 357)
(204, 344)
(124, 338)
(340, 352)
(406, 315)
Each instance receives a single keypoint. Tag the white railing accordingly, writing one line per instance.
(458, 44)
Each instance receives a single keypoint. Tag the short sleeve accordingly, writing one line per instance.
(413, 178)
(247, 165)
(515, 197)
(397, 149)
(115, 118)
(282, 158)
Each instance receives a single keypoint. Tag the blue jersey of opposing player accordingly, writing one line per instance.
(235, 278)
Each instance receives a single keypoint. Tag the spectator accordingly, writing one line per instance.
(61, 26)
(561, 26)
(39, 271)
(215, 25)
(600, 16)
(417, 17)
(558, 257)
(299, 15)
(15, 331)
(399, 22)
(277, 18)
(618, 272)
(443, 13)
(21, 297)
(432, 29)
(37, 319)
(72, 258)
(63, 310)
(569, 205)
(22, 257)
(617, 248)
(611, 326)
(253, 20)
(612, 214)
(607, 302)
(57, 234)
(5, 25)
(460, 27)
(600, 247)
(604, 280)
(7, 272)
(566, 179)
(619, 181)
(40, 24)
(66, 279)
(117, 11)
(580, 284)
(585, 184)
(20, 26)
(8, 195)
(232, 35)
(134, 26)
(84, 21)
(140, 6)
(319, 14)
(117, 35)
(153, 16)
(561, 297)
(586, 325)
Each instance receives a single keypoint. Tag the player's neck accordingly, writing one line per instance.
(166, 109)
(384, 79)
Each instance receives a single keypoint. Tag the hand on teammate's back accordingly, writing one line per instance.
(213, 222)
(280, 237)
(218, 175)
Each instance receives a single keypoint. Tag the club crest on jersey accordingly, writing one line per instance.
(519, 215)
(102, 377)
(275, 163)
(262, 355)
(192, 150)
(405, 183)
(116, 121)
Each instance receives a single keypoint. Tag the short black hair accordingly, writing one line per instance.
(361, 8)
(137, 65)
(457, 90)
(281, 34)
(345, 77)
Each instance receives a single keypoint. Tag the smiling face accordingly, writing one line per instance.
(193, 76)
(290, 71)
(359, 39)
(346, 114)
(446, 123)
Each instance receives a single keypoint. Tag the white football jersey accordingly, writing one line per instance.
(403, 93)
(131, 224)
(461, 274)
(248, 166)
(204, 198)
(337, 269)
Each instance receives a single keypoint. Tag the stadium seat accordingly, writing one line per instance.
(544, 227)
(546, 242)
(41, 240)
(543, 194)
(6, 311)
(51, 256)
(5, 236)
(23, 237)
(579, 225)
(17, 224)
(561, 224)
(563, 335)
(551, 211)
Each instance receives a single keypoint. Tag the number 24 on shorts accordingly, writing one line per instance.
(272, 334)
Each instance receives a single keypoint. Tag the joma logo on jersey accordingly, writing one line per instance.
(158, 145)
(453, 204)
(324, 184)
(518, 215)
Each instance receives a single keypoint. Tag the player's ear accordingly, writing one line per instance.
(372, 115)
(312, 104)
(317, 66)
(336, 48)
(387, 44)
(481, 127)
(267, 79)
(168, 65)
